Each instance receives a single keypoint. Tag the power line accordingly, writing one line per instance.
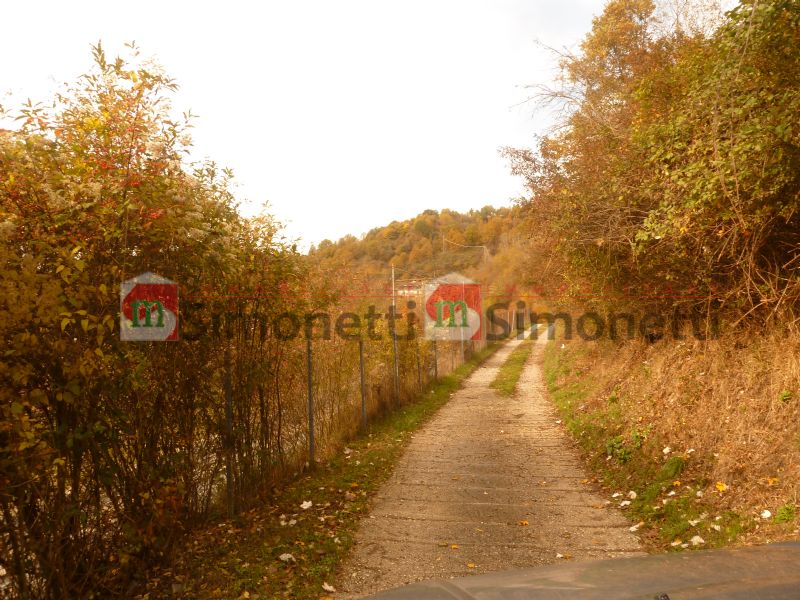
(485, 249)
(417, 275)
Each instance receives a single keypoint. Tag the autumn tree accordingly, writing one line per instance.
(108, 450)
(675, 167)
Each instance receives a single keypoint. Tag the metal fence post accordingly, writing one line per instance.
(393, 333)
(229, 444)
(363, 383)
(396, 370)
(435, 362)
(419, 368)
(309, 366)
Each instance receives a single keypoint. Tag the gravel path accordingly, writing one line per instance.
(457, 502)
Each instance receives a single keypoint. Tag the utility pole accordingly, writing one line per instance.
(465, 317)
(228, 439)
(393, 333)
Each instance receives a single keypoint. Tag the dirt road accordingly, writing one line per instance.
(468, 483)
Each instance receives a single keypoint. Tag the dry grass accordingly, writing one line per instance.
(732, 405)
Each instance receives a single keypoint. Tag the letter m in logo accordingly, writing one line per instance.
(453, 309)
(451, 305)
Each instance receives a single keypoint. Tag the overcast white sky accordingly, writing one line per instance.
(342, 115)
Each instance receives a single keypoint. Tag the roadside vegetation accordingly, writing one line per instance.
(700, 474)
(671, 181)
(670, 188)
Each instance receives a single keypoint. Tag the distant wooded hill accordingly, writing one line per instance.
(432, 244)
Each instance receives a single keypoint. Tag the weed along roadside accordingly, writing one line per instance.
(292, 545)
(648, 443)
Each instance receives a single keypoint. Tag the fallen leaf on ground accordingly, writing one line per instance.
(471, 565)
(454, 546)
(524, 522)
(327, 587)
(306, 505)
(697, 540)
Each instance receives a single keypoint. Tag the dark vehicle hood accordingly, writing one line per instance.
(769, 572)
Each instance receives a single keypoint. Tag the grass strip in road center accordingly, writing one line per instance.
(508, 375)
